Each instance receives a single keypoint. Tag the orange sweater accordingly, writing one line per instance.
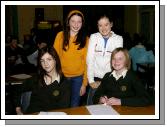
(73, 61)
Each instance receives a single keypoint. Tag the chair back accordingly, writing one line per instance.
(25, 100)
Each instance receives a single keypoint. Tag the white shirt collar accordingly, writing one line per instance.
(123, 74)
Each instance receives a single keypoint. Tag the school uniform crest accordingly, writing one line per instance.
(123, 88)
(56, 93)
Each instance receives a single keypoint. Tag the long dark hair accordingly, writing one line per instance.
(53, 53)
(81, 36)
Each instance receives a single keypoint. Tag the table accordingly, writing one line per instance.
(125, 110)
(17, 79)
(12, 84)
(122, 110)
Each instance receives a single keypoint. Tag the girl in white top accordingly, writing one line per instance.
(101, 45)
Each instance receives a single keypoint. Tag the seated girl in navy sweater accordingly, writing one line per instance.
(49, 89)
(121, 86)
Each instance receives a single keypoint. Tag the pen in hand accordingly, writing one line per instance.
(103, 100)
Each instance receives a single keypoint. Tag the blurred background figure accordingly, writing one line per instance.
(33, 35)
(139, 53)
(32, 58)
(8, 40)
(14, 57)
(28, 44)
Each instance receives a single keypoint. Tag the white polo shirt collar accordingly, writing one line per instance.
(116, 76)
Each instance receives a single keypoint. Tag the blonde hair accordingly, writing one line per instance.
(125, 51)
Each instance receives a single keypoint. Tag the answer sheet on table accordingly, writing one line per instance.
(101, 110)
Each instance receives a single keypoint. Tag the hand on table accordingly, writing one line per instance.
(113, 101)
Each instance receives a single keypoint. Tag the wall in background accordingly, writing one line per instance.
(26, 16)
(131, 17)
(140, 19)
(11, 20)
(147, 23)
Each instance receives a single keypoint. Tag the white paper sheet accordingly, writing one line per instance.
(52, 113)
(21, 76)
(16, 83)
(101, 109)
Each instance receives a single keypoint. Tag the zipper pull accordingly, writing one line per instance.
(104, 51)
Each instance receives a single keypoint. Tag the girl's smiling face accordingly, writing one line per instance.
(75, 24)
(104, 26)
(119, 61)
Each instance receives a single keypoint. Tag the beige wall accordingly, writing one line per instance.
(131, 19)
(26, 16)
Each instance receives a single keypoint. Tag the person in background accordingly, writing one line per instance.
(8, 40)
(101, 45)
(49, 89)
(14, 57)
(28, 44)
(71, 45)
(32, 58)
(139, 54)
(33, 35)
(121, 86)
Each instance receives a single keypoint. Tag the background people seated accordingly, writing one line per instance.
(28, 45)
(14, 57)
(139, 54)
(32, 58)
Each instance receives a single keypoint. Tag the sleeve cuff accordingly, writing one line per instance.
(91, 81)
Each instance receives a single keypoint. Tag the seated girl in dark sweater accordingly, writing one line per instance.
(121, 86)
(49, 89)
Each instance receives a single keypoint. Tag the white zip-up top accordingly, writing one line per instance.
(98, 57)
